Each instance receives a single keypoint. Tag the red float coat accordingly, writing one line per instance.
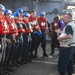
(55, 25)
(11, 25)
(42, 23)
(3, 26)
(27, 26)
(34, 22)
(19, 24)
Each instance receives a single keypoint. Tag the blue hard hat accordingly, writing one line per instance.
(7, 11)
(42, 13)
(64, 12)
(20, 10)
(39, 33)
(12, 16)
(16, 14)
(2, 7)
(26, 14)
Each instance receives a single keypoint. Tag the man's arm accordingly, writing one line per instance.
(69, 33)
(65, 37)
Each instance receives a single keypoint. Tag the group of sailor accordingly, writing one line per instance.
(20, 36)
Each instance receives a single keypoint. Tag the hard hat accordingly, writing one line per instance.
(16, 14)
(2, 7)
(10, 12)
(7, 11)
(20, 10)
(26, 14)
(42, 13)
(56, 18)
(64, 12)
(12, 16)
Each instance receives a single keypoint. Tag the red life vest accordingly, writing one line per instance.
(19, 26)
(16, 33)
(16, 30)
(27, 26)
(3, 26)
(11, 25)
(54, 25)
(34, 21)
(42, 22)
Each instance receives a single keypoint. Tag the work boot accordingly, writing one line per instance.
(62, 74)
(32, 56)
(52, 53)
(11, 65)
(70, 74)
(20, 62)
(10, 69)
(15, 63)
(45, 55)
(6, 73)
(1, 73)
(35, 56)
(28, 60)
(24, 61)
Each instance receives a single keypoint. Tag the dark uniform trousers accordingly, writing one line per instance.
(54, 42)
(41, 40)
(65, 62)
(25, 45)
(33, 44)
(2, 51)
(18, 47)
(29, 46)
(10, 49)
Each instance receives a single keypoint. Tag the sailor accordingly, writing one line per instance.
(42, 21)
(54, 41)
(26, 35)
(35, 27)
(67, 44)
(3, 31)
(19, 38)
(10, 46)
(20, 10)
(61, 22)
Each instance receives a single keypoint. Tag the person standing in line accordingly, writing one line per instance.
(43, 24)
(26, 35)
(10, 49)
(54, 41)
(19, 38)
(35, 27)
(3, 40)
(57, 23)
